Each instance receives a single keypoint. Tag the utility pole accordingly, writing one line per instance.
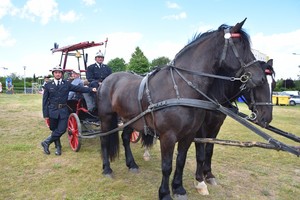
(24, 79)
(297, 54)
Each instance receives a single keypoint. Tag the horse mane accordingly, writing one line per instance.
(200, 37)
(217, 90)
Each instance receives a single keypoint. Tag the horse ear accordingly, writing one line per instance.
(270, 62)
(238, 26)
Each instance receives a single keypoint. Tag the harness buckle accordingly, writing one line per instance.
(61, 105)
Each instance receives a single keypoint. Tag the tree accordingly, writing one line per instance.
(117, 64)
(159, 61)
(138, 62)
(289, 84)
(298, 74)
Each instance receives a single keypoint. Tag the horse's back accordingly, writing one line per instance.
(119, 92)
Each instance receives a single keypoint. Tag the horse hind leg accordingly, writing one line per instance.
(130, 162)
(147, 141)
(109, 143)
(146, 154)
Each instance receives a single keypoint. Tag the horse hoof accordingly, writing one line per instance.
(109, 176)
(146, 158)
(134, 170)
(211, 181)
(180, 197)
(201, 187)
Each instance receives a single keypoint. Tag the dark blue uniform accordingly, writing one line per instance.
(96, 74)
(55, 105)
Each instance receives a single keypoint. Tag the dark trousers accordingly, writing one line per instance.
(58, 127)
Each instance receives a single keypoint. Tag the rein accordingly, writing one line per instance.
(195, 103)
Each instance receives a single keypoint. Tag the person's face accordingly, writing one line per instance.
(57, 75)
(75, 75)
(99, 59)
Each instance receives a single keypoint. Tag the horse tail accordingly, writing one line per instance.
(113, 139)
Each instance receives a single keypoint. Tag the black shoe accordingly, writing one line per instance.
(46, 143)
(58, 147)
(46, 147)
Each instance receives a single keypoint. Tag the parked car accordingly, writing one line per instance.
(294, 100)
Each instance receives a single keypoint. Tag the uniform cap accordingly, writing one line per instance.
(58, 68)
(99, 54)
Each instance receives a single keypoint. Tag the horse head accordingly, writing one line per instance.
(259, 99)
(227, 49)
(237, 52)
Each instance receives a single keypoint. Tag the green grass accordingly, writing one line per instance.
(242, 173)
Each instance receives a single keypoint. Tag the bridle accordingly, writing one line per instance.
(253, 104)
(228, 40)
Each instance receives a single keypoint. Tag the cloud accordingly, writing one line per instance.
(89, 2)
(280, 48)
(6, 8)
(179, 16)
(5, 37)
(172, 5)
(44, 10)
(70, 16)
(121, 44)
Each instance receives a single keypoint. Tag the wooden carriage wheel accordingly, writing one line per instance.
(74, 132)
(135, 136)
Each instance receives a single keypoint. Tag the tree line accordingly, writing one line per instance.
(140, 64)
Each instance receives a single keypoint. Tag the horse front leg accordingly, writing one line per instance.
(207, 171)
(199, 183)
(130, 162)
(167, 150)
(177, 185)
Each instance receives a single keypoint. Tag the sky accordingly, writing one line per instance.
(29, 28)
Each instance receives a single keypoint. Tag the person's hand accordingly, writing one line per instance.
(94, 89)
(47, 120)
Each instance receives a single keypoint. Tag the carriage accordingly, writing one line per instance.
(81, 122)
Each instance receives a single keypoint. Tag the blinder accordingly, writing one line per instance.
(246, 77)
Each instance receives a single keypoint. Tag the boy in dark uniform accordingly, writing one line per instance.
(55, 107)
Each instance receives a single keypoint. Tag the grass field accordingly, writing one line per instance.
(242, 173)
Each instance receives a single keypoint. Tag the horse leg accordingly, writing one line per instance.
(209, 177)
(212, 129)
(177, 186)
(109, 143)
(146, 154)
(200, 158)
(167, 145)
(147, 141)
(130, 163)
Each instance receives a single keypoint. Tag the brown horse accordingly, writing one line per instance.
(259, 100)
(173, 100)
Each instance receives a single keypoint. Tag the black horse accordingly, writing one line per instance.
(173, 100)
(259, 100)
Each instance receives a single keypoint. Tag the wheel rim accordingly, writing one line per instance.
(74, 132)
(135, 136)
